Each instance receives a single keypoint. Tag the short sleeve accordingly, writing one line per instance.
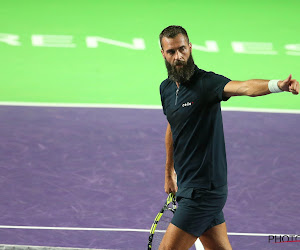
(214, 87)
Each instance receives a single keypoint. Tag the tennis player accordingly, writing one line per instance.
(195, 146)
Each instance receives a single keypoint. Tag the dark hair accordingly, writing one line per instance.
(171, 32)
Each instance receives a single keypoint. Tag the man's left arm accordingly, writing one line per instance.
(258, 87)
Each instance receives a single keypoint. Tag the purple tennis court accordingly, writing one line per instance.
(94, 177)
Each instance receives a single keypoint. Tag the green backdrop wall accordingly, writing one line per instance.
(108, 52)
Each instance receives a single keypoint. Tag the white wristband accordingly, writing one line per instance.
(273, 86)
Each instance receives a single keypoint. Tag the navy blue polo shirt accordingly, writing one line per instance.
(194, 113)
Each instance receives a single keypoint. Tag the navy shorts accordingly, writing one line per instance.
(200, 210)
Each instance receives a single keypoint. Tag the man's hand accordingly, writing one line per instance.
(171, 184)
(290, 85)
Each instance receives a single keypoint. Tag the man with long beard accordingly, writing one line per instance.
(196, 167)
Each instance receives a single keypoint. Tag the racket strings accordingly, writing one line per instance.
(162, 227)
(161, 222)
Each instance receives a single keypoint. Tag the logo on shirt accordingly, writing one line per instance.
(187, 104)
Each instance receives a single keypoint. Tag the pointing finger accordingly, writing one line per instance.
(289, 78)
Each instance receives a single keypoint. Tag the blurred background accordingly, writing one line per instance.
(108, 52)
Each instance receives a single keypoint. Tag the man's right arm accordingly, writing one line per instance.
(170, 175)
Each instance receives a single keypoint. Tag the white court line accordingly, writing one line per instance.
(4, 246)
(130, 106)
(79, 105)
(118, 230)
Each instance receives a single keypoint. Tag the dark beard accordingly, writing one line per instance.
(183, 74)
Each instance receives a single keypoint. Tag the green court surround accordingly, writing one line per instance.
(116, 75)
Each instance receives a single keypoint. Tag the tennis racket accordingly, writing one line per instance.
(161, 222)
